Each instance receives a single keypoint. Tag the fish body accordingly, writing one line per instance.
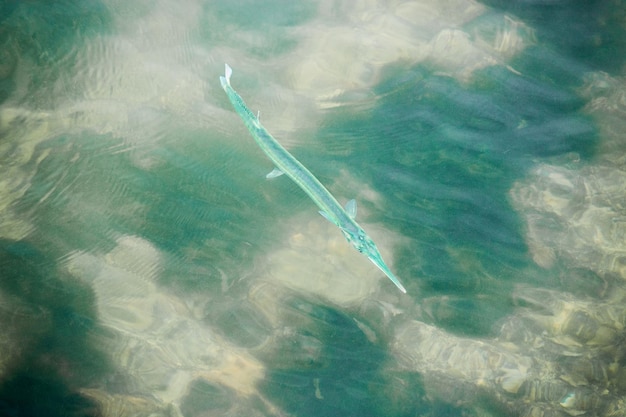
(286, 163)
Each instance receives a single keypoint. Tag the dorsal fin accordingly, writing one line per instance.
(329, 218)
(351, 208)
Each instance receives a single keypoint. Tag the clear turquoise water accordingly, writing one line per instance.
(114, 124)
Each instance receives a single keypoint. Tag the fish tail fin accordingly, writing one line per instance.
(228, 71)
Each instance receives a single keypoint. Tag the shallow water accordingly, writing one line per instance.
(151, 269)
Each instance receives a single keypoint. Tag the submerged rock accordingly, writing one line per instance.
(571, 322)
(152, 337)
(508, 377)
(578, 216)
(453, 361)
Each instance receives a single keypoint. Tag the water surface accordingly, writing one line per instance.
(150, 268)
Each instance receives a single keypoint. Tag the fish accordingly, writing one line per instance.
(286, 163)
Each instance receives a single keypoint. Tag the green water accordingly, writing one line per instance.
(141, 240)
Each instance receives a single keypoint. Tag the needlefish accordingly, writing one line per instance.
(286, 163)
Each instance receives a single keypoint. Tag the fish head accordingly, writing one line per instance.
(364, 244)
(361, 241)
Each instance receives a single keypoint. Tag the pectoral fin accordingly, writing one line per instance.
(351, 208)
(275, 173)
(327, 217)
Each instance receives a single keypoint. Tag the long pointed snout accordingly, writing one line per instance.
(378, 261)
